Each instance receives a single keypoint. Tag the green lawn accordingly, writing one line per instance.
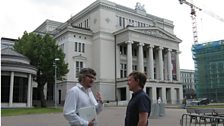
(208, 106)
(25, 111)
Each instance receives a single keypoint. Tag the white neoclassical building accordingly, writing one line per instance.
(116, 40)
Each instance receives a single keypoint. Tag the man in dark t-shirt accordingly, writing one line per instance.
(139, 107)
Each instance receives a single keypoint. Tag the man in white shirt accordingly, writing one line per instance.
(81, 96)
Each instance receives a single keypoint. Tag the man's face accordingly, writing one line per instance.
(88, 80)
(132, 83)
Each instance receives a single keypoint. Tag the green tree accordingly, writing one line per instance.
(42, 51)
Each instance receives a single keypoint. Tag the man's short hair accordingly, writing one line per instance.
(141, 77)
(85, 71)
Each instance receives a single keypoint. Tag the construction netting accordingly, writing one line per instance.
(209, 70)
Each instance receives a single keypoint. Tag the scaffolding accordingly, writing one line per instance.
(209, 70)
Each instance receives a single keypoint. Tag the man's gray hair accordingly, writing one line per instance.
(85, 71)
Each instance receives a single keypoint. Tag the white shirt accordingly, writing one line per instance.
(159, 100)
(78, 97)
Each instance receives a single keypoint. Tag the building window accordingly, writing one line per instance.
(20, 89)
(123, 50)
(87, 23)
(76, 46)
(139, 24)
(78, 67)
(121, 21)
(79, 47)
(134, 67)
(83, 47)
(123, 70)
(129, 22)
(5, 88)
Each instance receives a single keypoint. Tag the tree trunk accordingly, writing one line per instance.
(43, 102)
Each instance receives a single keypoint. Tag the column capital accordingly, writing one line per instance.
(141, 44)
(150, 46)
(129, 42)
(178, 52)
(160, 48)
(169, 49)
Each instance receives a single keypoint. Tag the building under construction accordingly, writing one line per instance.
(209, 70)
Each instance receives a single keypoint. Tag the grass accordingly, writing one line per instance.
(208, 106)
(26, 111)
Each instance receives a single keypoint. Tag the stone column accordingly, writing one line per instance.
(181, 94)
(173, 96)
(170, 66)
(150, 65)
(129, 57)
(164, 95)
(161, 63)
(29, 95)
(140, 57)
(154, 99)
(118, 74)
(177, 66)
(11, 89)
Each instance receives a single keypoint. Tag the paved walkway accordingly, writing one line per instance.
(110, 116)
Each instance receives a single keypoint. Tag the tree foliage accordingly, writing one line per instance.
(42, 51)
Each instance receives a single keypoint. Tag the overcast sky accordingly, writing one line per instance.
(18, 16)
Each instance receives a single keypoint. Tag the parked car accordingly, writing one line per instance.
(200, 101)
(204, 101)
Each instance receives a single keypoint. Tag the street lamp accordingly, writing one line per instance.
(55, 78)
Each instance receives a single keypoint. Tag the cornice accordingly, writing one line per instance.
(74, 30)
(117, 7)
(18, 67)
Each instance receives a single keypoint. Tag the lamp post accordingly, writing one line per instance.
(55, 78)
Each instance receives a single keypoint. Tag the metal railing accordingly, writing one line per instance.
(201, 120)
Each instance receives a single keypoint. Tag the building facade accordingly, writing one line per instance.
(116, 40)
(187, 79)
(16, 77)
(209, 70)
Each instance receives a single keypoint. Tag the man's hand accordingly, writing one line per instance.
(91, 123)
(98, 97)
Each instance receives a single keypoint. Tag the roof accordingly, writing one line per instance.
(12, 52)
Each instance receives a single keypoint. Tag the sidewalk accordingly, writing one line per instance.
(110, 116)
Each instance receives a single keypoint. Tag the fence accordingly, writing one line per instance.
(157, 110)
(201, 120)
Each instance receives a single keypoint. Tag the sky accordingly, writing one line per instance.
(18, 16)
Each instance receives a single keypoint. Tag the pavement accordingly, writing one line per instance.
(110, 116)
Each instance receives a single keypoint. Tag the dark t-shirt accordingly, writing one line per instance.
(139, 102)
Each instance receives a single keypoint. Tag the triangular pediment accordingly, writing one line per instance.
(156, 32)
(80, 57)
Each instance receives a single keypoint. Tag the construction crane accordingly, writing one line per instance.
(193, 17)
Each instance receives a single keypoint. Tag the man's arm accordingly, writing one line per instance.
(143, 118)
(70, 112)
